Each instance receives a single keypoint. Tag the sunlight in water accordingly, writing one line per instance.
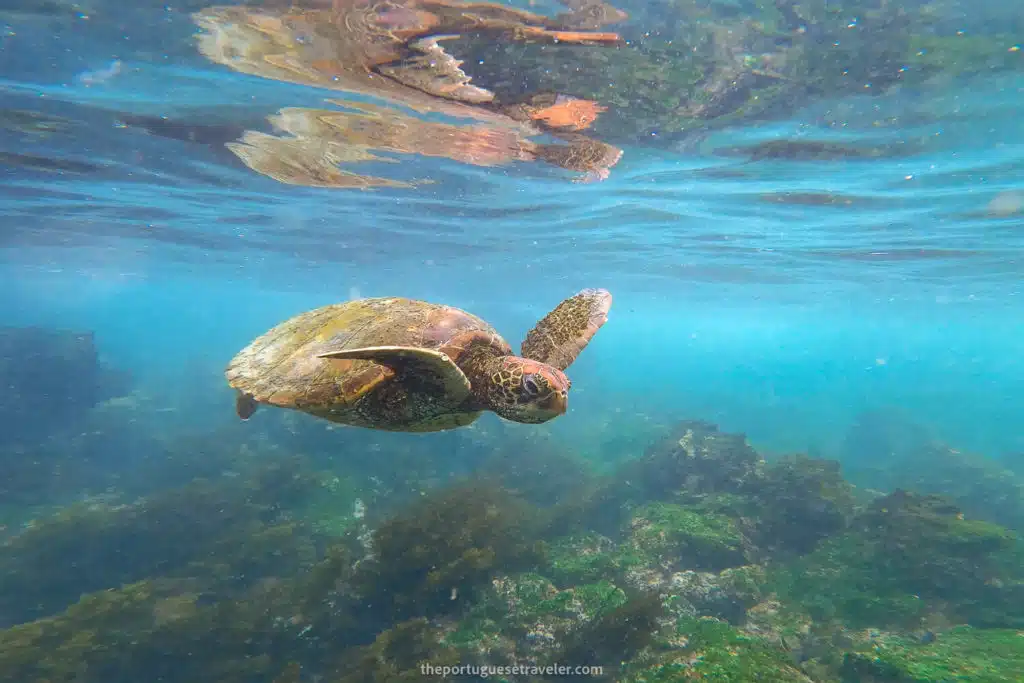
(521, 341)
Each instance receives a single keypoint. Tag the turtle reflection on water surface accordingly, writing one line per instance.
(412, 366)
(391, 50)
(316, 143)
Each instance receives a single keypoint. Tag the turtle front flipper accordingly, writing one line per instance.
(564, 332)
(434, 371)
(435, 72)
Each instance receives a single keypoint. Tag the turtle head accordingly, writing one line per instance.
(528, 391)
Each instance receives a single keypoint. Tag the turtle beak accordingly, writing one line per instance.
(557, 402)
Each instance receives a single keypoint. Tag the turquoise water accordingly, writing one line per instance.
(741, 295)
(839, 274)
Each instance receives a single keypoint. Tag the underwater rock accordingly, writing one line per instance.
(430, 558)
(675, 537)
(960, 654)
(726, 596)
(616, 635)
(398, 654)
(908, 558)
(51, 379)
(220, 531)
(539, 616)
(525, 619)
(801, 500)
(891, 451)
(773, 622)
(699, 459)
(173, 631)
(716, 480)
(582, 558)
(709, 649)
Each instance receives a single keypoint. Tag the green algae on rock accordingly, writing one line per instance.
(801, 500)
(398, 654)
(716, 651)
(213, 529)
(582, 558)
(532, 616)
(906, 557)
(430, 558)
(676, 536)
(960, 654)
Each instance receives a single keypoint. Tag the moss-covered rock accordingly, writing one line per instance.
(156, 630)
(698, 459)
(961, 654)
(727, 595)
(432, 557)
(678, 537)
(402, 653)
(716, 651)
(214, 529)
(801, 500)
(538, 615)
(582, 558)
(906, 557)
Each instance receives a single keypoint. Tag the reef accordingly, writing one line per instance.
(908, 559)
(961, 654)
(706, 562)
(225, 533)
(893, 452)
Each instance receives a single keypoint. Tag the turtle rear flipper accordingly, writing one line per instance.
(435, 72)
(426, 366)
(245, 405)
(564, 332)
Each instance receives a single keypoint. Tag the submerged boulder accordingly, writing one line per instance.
(49, 380)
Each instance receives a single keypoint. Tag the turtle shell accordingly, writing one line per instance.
(283, 367)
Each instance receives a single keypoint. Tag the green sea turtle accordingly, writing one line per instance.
(412, 366)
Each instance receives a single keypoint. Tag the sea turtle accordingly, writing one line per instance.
(412, 366)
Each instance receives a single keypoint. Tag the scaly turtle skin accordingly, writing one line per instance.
(412, 366)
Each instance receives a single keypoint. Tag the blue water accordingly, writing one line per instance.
(840, 276)
(735, 300)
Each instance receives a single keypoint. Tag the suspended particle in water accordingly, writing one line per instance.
(1006, 204)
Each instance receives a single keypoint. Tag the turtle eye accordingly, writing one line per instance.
(530, 385)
